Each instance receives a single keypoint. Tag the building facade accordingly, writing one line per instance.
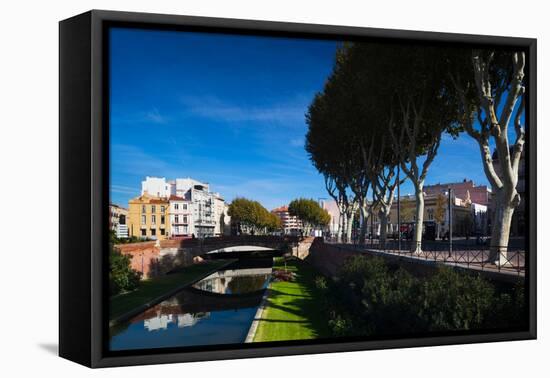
(467, 189)
(290, 223)
(117, 220)
(332, 208)
(468, 218)
(149, 217)
(181, 217)
(199, 213)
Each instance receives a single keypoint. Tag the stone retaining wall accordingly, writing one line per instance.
(328, 259)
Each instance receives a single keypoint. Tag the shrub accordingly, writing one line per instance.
(121, 276)
(321, 283)
(394, 301)
(455, 300)
(513, 304)
(354, 271)
(341, 326)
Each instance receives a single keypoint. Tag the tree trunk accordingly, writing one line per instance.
(416, 246)
(364, 224)
(349, 226)
(341, 227)
(383, 216)
(500, 234)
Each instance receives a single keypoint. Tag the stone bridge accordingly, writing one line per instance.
(199, 247)
(155, 258)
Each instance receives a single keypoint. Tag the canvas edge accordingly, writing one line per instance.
(97, 206)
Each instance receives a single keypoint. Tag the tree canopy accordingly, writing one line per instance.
(309, 212)
(383, 105)
(253, 216)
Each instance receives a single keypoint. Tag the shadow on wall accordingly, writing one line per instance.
(169, 262)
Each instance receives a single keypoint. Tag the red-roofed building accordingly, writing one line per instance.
(464, 190)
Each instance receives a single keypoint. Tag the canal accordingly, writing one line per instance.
(218, 309)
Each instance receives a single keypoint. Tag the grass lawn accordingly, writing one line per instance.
(292, 310)
(149, 290)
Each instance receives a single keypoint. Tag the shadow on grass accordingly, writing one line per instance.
(296, 303)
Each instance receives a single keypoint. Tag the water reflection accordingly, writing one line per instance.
(239, 281)
(216, 310)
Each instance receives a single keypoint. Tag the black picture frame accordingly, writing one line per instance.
(84, 195)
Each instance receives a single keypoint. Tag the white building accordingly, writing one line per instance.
(181, 217)
(223, 223)
(332, 208)
(194, 210)
(156, 186)
(117, 220)
(122, 231)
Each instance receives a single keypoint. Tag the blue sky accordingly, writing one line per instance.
(229, 110)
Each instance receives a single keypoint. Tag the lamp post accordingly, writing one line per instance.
(450, 222)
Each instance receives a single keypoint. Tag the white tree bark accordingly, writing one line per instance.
(503, 182)
(419, 218)
(405, 146)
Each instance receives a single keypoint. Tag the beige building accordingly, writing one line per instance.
(149, 217)
(467, 216)
(291, 224)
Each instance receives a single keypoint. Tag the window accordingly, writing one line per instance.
(162, 209)
(176, 219)
(153, 219)
(143, 209)
(143, 232)
(176, 206)
(143, 219)
(184, 206)
(162, 231)
(184, 219)
(153, 209)
(153, 232)
(162, 219)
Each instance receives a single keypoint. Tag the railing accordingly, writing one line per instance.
(469, 255)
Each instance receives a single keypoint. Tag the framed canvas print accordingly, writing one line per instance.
(233, 188)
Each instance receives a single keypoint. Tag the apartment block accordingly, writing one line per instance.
(149, 217)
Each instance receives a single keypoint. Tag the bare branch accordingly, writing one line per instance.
(515, 90)
(520, 139)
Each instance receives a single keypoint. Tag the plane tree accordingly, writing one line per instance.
(333, 153)
(422, 109)
(392, 103)
(491, 88)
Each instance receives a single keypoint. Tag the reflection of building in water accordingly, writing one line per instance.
(235, 281)
(189, 320)
(158, 322)
(161, 321)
